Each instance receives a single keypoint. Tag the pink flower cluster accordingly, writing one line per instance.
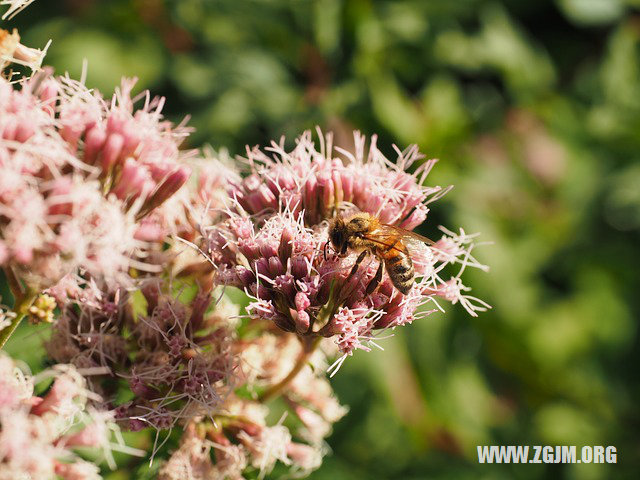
(39, 434)
(319, 184)
(175, 357)
(91, 201)
(238, 438)
(272, 243)
(77, 175)
(135, 151)
(186, 365)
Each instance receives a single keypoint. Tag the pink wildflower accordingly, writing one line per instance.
(36, 432)
(77, 175)
(272, 243)
(177, 360)
(304, 457)
(319, 184)
(136, 151)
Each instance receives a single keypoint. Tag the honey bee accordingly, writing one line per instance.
(364, 233)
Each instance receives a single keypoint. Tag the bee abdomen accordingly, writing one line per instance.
(401, 272)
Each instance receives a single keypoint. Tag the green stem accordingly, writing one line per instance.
(327, 312)
(309, 346)
(21, 309)
(22, 302)
(7, 331)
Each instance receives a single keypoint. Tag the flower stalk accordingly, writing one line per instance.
(309, 346)
(22, 301)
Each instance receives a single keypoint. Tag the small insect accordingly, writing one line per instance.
(364, 232)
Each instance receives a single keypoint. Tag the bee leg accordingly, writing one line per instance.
(373, 284)
(356, 265)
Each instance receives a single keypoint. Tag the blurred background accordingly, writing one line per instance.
(533, 109)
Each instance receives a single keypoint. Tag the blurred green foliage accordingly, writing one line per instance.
(534, 108)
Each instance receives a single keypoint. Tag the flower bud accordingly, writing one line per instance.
(94, 141)
(302, 301)
(285, 249)
(284, 284)
(267, 249)
(171, 184)
(49, 95)
(302, 320)
(111, 151)
(275, 267)
(133, 181)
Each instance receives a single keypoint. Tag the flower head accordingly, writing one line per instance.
(78, 176)
(319, 184)
(176, 362)
(272, 243)
(135, 151)
(38, 433)
(238, 438)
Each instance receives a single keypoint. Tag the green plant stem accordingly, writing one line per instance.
(21, 304)
(7, 331)
(309, 346)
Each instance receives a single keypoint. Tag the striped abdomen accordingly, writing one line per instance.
(399, 267)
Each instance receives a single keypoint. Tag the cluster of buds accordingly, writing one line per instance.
(134, 152)
(42, 309)
(238, 440)
(39, 435)
(78, 176)
(273, 242)
(185, 364)
(318, 184)
(175, 357)
(53, 220)
(198, 204)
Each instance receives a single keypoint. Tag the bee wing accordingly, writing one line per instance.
(414, 243)
(405, 234)
(396, 238)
